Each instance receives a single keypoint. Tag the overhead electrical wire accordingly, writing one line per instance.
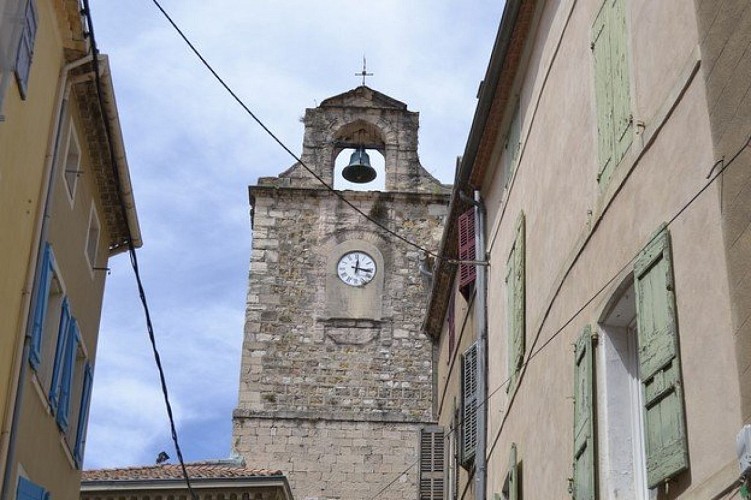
(532, 352)
(131, 248)
(276, 139)
(712, 177)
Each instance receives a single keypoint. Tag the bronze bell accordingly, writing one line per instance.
(359, 170)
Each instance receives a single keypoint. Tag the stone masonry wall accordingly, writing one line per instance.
(291, 362)
(335, 459)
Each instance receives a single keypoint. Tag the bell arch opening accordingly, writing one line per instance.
(350, 141)
(377, 161)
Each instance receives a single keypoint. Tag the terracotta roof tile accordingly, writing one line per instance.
(197, 470)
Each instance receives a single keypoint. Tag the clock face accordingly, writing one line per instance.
(356, 268)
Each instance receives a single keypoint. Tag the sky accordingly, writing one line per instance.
(192, 152)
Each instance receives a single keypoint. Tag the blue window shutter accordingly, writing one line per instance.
(83, 416)
(62, 338)
(26, 49)
(40, 308)
(30, 491)
(66, 377)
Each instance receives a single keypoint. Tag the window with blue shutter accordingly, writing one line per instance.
(28, 490)
(66, 375)
(44, 281)
(60, 355)
(26, 48)
(83, 415)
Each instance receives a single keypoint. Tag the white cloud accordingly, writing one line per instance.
(192, 152)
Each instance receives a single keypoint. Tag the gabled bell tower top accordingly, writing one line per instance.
(361, 117)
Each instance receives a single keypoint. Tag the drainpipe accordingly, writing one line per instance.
(481, 323)
(63, 90)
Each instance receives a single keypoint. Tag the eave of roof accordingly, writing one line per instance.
(495, 91)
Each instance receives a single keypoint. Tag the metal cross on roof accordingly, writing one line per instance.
(364, 71)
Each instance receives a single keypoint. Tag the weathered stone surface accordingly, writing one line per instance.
(335, 400)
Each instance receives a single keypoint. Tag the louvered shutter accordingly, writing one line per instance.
(467, 272)
(26, 48)
(432, 463)
(622, 121)
(27, 490)
(469, 406)
(83, 415)
(583, 487)
(66, 375)
(515, 280)
(603, 90)
(60, 355)
(659, 367)
(44, 281)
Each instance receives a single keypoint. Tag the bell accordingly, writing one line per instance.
(359, 170)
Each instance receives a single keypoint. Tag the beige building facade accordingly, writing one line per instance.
(610, 151)
(60, 173)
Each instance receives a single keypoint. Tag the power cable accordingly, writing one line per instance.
(131, 247)
(271, 134)
(533, 353)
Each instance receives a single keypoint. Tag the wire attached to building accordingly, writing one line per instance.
(131, 248)
(271, 134)
(534, 353)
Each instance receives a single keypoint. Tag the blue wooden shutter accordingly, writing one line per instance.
(467, 272)
(659, 367)
(60, 352)
(469, 406)
(44, 281)
(66, 376)
(26, 48)
(83, 416)
(30, 491)
(583, 487)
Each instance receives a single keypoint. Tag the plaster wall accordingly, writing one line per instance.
(725, 39)
(24, 134)
(581, 238)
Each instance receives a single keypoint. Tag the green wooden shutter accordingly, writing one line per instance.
(603, 90)
(432, 463)
(512, 486)
(469, 406)
(583, 487)
(659, 368)
(622, 120)
(515, 280)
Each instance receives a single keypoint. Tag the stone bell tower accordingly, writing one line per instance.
(336, 377)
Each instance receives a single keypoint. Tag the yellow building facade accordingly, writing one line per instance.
(63, 174)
